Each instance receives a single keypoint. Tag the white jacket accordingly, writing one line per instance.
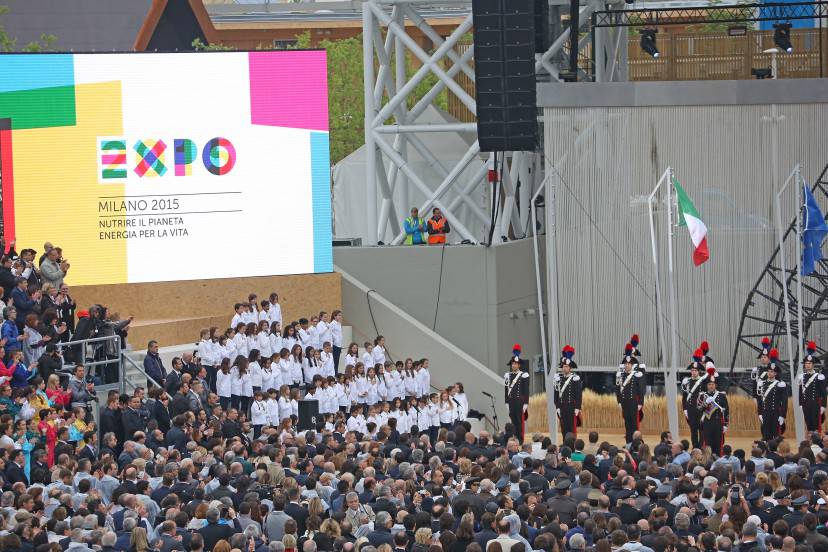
(285, 408)
(258, 413)
(223, 384)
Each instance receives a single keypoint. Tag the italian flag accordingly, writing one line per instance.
(689, 216)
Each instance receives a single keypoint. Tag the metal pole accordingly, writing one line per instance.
(574, 25)
(549, 383)
(401, 61)
(671, 384)
(552, 301)
(659, 303)
(799, 418)
(786, 298)
(370, 111)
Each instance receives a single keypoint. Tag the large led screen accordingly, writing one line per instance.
(158, 167)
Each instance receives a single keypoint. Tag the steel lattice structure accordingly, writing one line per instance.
(736, 13)
(767, 296)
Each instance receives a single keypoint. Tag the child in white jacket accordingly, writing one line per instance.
(258, 413)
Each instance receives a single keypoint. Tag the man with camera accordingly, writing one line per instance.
(81, 388)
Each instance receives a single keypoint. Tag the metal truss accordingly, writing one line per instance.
(764, 311)
(736, 13)
(388, 94)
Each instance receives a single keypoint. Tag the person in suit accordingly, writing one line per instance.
(215, 531)
(161, 412)
(295, 510)
(14, 468)
(382, 530)
(174, 377)
(180, 402)
(170, 541)
(110, 415)
(177, 435)
(134, 418)
(90, 449)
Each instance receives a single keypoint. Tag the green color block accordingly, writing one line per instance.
(114, 173)
(39, 108)
(116, 145)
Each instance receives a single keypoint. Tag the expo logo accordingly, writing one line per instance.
(150, 157)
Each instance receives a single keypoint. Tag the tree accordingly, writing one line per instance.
(9, 44)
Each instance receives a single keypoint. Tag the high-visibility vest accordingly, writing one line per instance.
(438, 226)
(414, 224)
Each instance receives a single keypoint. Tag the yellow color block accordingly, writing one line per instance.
(56, 188)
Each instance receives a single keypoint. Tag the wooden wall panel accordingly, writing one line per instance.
(173, 312)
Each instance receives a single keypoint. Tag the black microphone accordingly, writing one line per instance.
(487, 394)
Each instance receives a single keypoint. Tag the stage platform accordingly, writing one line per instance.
(174, 312)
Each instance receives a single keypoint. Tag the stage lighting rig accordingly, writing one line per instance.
(782, 36)
(648, 41)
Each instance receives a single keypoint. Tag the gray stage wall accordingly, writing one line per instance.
(487, 296)
(719, 138)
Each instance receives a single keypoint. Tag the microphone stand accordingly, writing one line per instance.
(494, 414)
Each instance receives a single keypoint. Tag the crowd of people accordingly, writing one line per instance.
(209, 456)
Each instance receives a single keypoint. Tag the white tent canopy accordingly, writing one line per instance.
(349, 191)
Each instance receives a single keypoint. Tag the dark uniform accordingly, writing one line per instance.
(516, 385)
(715, 417)
(760, 373)
(691, 389)
(630, 389)
(568, 391)
(773, 405)
(812, 392)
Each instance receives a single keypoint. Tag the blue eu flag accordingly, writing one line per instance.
(813, 232)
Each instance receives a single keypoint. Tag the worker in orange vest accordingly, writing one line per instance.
(437, 227)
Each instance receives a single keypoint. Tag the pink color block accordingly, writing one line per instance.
(289, 89)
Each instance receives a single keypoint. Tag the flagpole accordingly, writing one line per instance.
(659, 305)
(672, 415)
(799, 417)
(672, 385)
(799, 422)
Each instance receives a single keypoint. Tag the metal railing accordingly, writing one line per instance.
(123, 379)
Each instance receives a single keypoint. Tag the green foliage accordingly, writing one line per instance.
(9, 44)
(346, 105)
(200, 46)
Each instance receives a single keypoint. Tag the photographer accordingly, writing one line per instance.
(109, 326)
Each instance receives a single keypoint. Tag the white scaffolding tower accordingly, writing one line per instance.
(388, 94)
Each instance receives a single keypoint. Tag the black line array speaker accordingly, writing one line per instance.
(542, 27)
(504, 69)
